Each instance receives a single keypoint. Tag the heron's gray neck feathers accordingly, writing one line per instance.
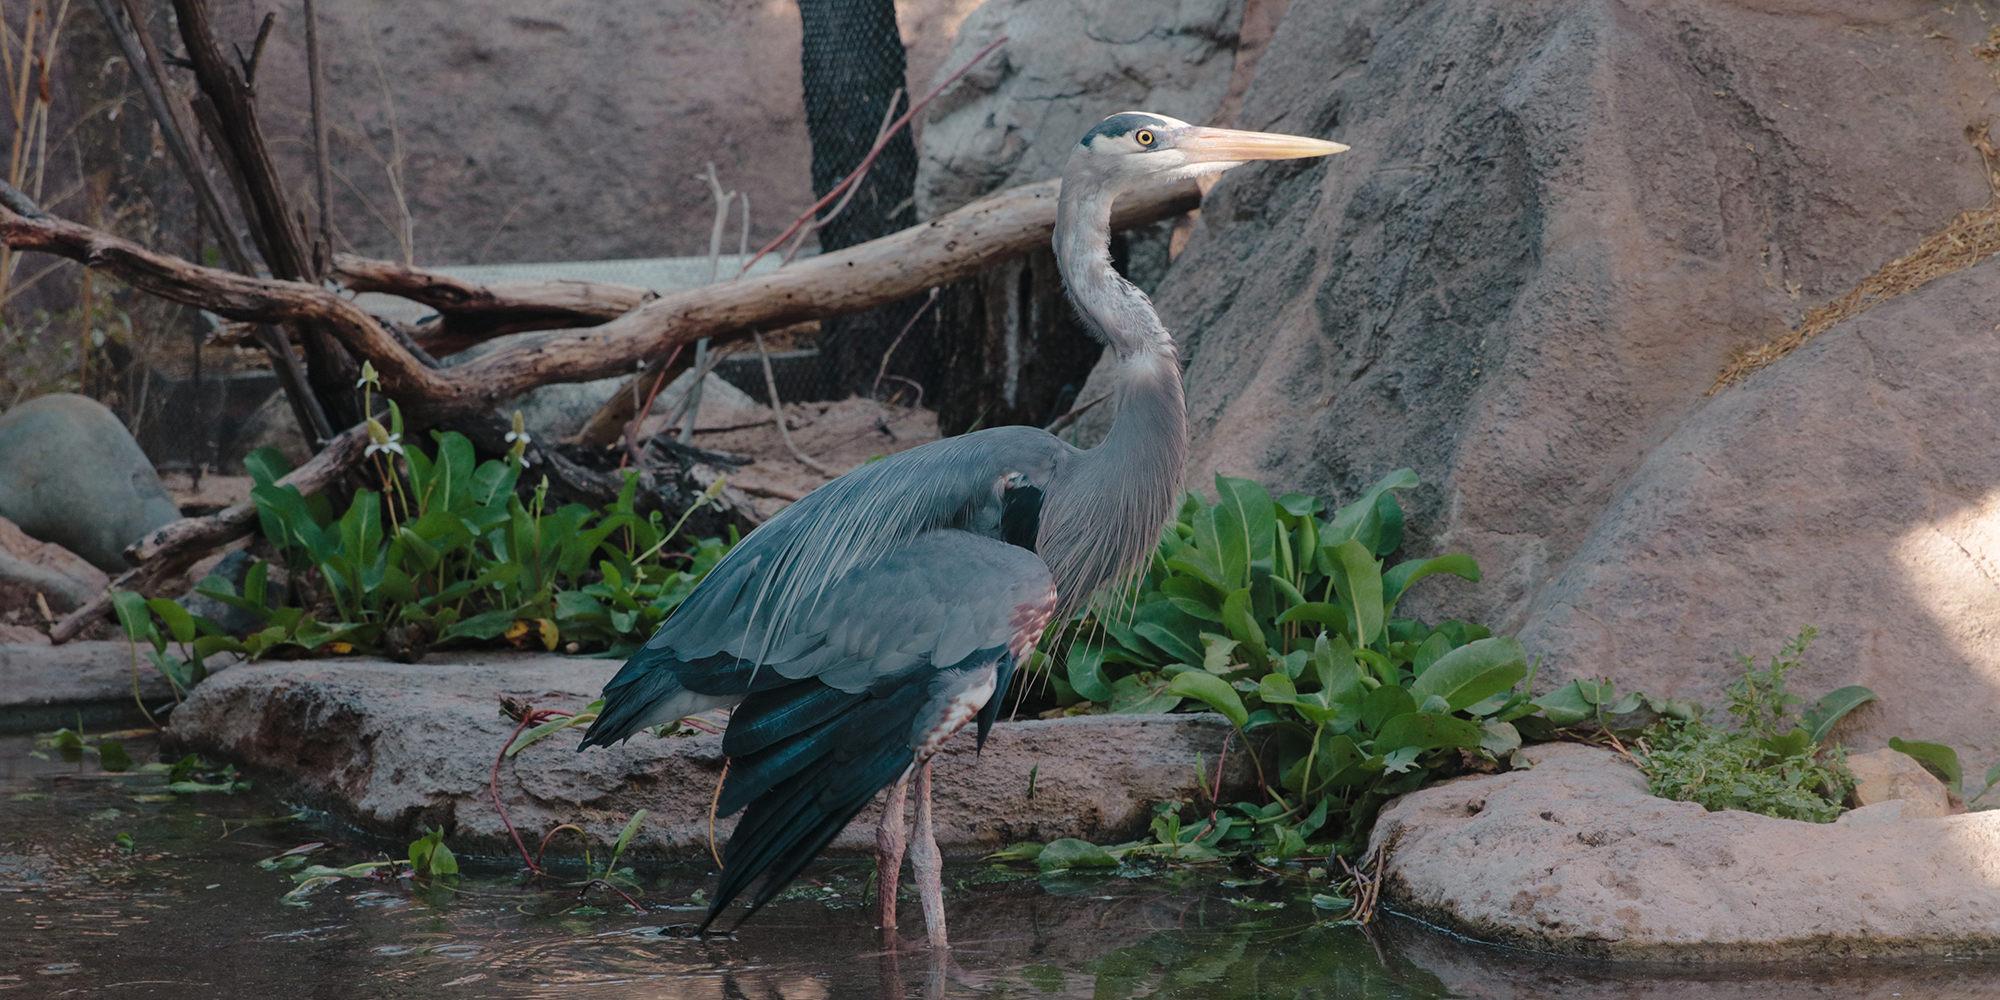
(1103, 518)
(1116, 312)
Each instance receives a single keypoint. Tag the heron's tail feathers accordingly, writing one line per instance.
(647, 692)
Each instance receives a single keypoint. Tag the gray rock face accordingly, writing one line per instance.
(1573, 856)
(395, 748)
(71, 474)
(1064, 68)
(1557, 223)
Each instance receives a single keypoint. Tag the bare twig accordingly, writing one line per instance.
(173, 547)
(883, 368)
(881, 143)
(778, 409)
(322, 157)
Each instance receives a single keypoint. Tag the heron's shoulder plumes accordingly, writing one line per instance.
(788, 565)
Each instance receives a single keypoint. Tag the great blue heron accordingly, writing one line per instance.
(862, 626)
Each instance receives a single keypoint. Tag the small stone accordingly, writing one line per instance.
(1884, 776)
(1887, 811)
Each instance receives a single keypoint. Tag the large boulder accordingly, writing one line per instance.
(1573, 856)
(1558, 222)
(71, 474)
(1064, 67)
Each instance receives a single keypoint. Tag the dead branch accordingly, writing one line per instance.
(579, 303)
(172, 548)
(944, 250)
(778, 410)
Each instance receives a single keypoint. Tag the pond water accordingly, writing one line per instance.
(181, 908)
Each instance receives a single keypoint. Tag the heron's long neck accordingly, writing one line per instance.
(1106, 517)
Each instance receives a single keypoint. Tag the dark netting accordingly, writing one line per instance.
(853, 62)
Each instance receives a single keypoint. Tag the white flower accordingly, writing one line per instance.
(393, 444)
(368, 376)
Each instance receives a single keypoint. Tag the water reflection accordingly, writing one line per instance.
(81, 917)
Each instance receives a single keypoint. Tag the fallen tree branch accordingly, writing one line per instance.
(944, 250)
(579, 302)
(172, 548)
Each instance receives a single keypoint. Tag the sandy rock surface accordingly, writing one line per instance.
(395, 747)
(1557, 224)
(1574, 857)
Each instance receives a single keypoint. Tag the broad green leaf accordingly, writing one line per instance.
(1132, 695)
(625, 838)
(112, 756)
(1244, 525)
(1348, 521)
(1388, 526)
(1789, 744)
(1335, 757)
(180, 624)
(1831, 709)
(1359, 582)
(1936, 758)
(1072, 853)
(1175, 633)
(1085, 672)
(1566, 705)
(1499, 738)
(1277, 689)
(1217, 658)
(485, 625)
(1244, 629)
(1473, 672)
(1384, 703)
(1329, 901)
(1194, 596)
(1426, 731)
(1432, 649)
(1332, 616)
(1396, 582)
(266, 465)
(133, 616)
(1213, 690)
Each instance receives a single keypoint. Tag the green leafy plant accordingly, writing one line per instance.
(429, 857)
(1776, 761)
(449, 551)
(1285, 622)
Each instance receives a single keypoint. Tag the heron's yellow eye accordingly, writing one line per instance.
(1144, 137)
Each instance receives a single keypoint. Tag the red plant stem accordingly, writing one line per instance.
(532, 717)
(632, 427)
(869, 160)
(598, 883)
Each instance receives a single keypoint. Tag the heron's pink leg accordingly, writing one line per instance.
(927, 864)
(889, 843)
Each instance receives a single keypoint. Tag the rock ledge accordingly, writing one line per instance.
(394, 748)
(1574, 857)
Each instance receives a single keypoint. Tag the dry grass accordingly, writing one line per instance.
(1969, 239)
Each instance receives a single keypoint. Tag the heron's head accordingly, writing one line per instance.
(1137, 147)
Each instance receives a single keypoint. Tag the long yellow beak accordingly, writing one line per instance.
(1210, 145)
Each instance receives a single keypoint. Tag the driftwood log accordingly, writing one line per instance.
(171, 548)
(944, 250)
